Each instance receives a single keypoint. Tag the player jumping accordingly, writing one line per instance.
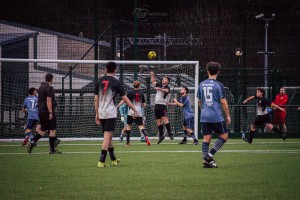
(160, 111)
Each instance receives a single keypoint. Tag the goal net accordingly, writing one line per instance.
(74, 82)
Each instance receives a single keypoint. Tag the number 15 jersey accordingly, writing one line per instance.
(107, 89)
(210, 92)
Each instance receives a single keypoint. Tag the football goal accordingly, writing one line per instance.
(74, 83)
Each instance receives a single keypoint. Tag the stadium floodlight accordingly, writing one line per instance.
(259, 16)
(267, 18)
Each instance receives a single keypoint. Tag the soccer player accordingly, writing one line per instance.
(106, 113)
(160, 111)
(138, 100)
(211, 96)
(279, 116)
(188, 113)
(263, 117)
(123, 109)
(46, 106)
(30, 105)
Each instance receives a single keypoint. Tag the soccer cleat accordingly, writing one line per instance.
(160, 139)
(196, 142)
(183, 142)
(284, 136)
(102, 165)
(25, 141)
(206, 165)
(171, 136)
(56, 143)
(115, 162)
(148, 141)
(208, 160)
(247, 140)
(30, 146)
(55, 152)
(127, 144)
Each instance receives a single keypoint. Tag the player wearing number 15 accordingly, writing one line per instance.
(106, 113)
(211, 96)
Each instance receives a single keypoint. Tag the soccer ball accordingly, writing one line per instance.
(151, 55)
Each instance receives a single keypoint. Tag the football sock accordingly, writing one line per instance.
(30, 136)
(144, 131)
(128, 137)
(37, 137)
(276, 130)
(51, 142)
(185, 133)
(112, 153)
(205, 146)
(103, 155)
(193, 136)
(168, 127)
(252, 133)
(184, 138)
(217, 145)
(161, 130)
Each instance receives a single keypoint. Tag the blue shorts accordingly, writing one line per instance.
(31, 123)
(189, 123)
(216, 127)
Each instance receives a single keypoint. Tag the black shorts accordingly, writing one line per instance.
(138, 121)
(160, 111)
(261, 120)
(108, 124)
(216, 127)
(47, 124)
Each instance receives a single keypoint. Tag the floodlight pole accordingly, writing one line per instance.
(266, 52)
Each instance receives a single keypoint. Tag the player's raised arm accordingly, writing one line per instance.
(153, 80)
(248, 99)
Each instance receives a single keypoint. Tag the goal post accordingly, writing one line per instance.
(74, 86)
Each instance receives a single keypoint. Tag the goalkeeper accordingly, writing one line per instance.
(123, 109)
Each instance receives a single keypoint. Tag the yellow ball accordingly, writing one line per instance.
(151, 55)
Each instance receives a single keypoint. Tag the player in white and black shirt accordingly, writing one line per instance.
(106, 113)
(160, 111)
(263, 117)
(138, 100)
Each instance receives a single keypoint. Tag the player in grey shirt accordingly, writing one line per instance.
(160, 111)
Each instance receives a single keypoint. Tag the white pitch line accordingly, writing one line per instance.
(179, 151)
(144, 144)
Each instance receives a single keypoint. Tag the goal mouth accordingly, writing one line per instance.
(74, 82)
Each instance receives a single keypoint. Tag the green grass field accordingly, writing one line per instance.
(266, 169)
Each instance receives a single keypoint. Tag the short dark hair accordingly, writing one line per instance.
(168, 78)
(262, 91)
(48, 77)
(213, 67)
(31, 91)
(186, 89)
(111, 67)
(136, 84)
